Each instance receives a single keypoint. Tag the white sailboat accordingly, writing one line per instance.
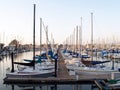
(32, 70)
(93, 70)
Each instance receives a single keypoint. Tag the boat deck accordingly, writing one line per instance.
(62, 77)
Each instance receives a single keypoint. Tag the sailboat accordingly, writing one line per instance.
(43, 56)
(31, 70)
(93, 68)
(92, 62)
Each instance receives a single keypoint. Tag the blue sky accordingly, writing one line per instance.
(61, 16)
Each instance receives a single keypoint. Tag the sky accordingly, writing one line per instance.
(61, 17)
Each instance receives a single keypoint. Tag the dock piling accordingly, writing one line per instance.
(12, 62)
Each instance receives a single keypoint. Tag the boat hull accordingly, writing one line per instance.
(94, 72)
(41, 74)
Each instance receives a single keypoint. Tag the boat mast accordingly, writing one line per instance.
(40, 34)
(76, 39)
(80, 36)
(52, 42)
(34, 36)
(92, 36)
(47, 40)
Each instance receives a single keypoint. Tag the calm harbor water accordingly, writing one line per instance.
(5, 66)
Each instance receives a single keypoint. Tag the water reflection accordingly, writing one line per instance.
(54, 87)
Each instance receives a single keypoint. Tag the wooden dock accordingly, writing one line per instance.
(62, 69)
(63, 77)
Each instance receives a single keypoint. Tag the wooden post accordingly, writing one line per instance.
(113, 59)
(13, 88)
(55, 67)
(55, 86)
(12, 62)
(56, 58)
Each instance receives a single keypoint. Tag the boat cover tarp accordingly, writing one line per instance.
(86, 62)
(26, 64)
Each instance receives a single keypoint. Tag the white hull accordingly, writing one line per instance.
(92, 71)
(30, 74)
(41, 70)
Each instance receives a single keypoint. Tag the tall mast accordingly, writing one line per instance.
(76, 38)
(92, 36)
(47, 38)
(34, 35)
(52, 42)
(40, 34)
(80, 36)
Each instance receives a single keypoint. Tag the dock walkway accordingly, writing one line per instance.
(62, 69)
